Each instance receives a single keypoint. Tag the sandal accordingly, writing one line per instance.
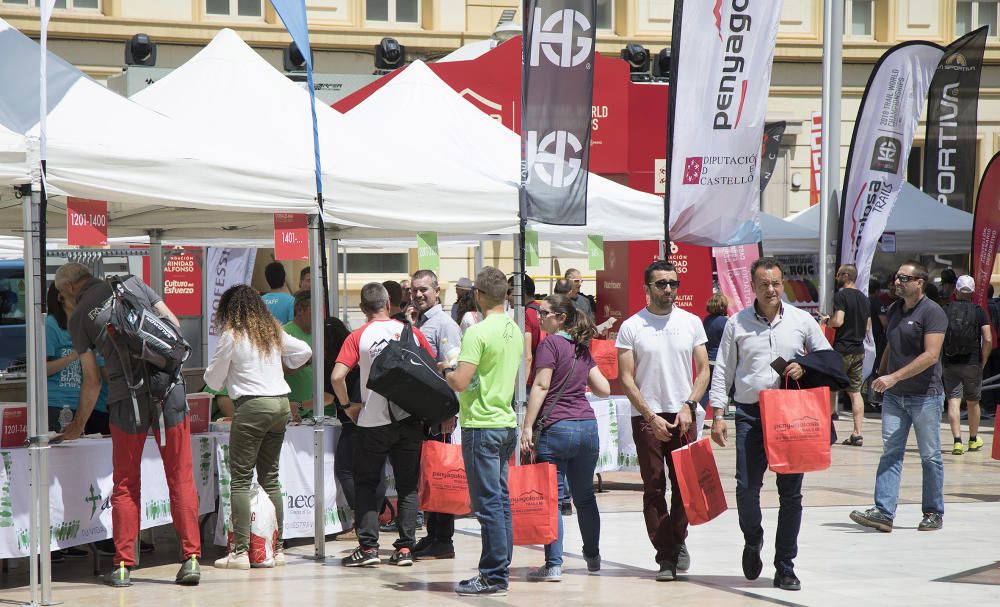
(856, 440)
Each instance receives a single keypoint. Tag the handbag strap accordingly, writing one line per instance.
(562, 388)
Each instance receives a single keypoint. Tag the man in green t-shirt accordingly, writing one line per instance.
(300, 380)
(485, 378)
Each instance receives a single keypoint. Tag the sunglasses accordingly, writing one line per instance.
(546, 313)
(664, 283)
(904, 278)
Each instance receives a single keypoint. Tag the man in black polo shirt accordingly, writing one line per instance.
(852, 320)
(910, 376)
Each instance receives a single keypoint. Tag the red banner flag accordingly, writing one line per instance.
(86, 222)
(985, 231)
(291, 237)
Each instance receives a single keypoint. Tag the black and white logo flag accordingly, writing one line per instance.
(556, 95)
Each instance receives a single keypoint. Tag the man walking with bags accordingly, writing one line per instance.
(656, 347)
(759, 339)
(909, 375)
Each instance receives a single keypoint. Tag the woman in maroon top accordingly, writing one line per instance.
(564, 370)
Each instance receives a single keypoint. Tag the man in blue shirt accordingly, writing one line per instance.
(278, 300)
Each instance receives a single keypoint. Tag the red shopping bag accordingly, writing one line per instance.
(996, 437)
(534, 503)
(443, 487)
(699, 482)
(829, 333)
(796, 427)
(605, 354)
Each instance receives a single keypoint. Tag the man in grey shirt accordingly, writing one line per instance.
(444, 335)
(753, 339)
(909, 376)
(581, 302)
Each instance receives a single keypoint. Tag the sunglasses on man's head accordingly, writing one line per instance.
(664, 283)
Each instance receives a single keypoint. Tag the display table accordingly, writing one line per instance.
(80, 491)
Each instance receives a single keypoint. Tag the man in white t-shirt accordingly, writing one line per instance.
(384, 431)
(655, 349)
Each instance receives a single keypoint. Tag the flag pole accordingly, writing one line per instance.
(829, 199)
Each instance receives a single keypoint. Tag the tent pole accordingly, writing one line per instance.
(317, 297)
(479, 257)
(520, 389)
(829, 199)
(333, 293)
(156, 260)
(343, 305)
(206, 303)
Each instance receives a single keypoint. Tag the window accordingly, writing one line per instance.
(605, 14)
(235, 8)
(397, 12)
(378, 263)
(859, 15)
(973, 14)
(92, 5)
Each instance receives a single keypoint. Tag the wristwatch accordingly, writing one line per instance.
(692, 403)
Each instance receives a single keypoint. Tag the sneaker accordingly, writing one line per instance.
(874, 518)
(120, 576)
(434, 550)
(683, 558)
(390, 527)
(279, 557)
(190, 572)
(957, 449)
(932, 521)
(546, 574)
(787, 581)
(265, 564)
(752, 564)
(478, 586)
(75, 553)
(350, 535)
(105, 547)
(420, 520)
(423, 543)
(361, 557)
(975, 444)
(667, 572)
(401, 557)
(234, 560)
(566, 508)
(593, 563)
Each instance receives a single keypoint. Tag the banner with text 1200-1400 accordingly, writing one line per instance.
(721, 57)
(883, 135)
(986, 232)
(950, 140)
(556, 95)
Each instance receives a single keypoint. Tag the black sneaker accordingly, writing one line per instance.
(434, 550)
(478, 586)
(361, 557)
(120, 577)
(566, 508)
(874, 518)
(932, 521)
(752, 564)
(423, 543)
(401, 557)
(787, 581)
(667, 572)
(683, 558)
(190, 572)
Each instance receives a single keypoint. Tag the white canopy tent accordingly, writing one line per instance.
(921, 224)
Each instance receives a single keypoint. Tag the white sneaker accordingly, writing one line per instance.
(234, 560)
(265, 564)
(279, 557)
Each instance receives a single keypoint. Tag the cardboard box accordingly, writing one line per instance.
(200, 408)
(14, 420)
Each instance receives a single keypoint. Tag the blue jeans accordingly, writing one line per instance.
(573, 446)
(751, 462)
(898, 414)
(486, 452)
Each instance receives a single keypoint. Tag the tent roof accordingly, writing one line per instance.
(785, 237)
(921, 224)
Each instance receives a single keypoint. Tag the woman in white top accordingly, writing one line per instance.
(247, 362)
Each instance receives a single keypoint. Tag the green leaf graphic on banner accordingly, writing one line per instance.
(427, 251)
(530, 248)
(595, 252)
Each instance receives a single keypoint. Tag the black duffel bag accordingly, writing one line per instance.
(406, 374)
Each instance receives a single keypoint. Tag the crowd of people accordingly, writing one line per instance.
(926, 355)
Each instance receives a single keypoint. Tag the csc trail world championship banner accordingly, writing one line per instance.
(950, 141)
(556, 96)
(721, 67)
(883, 135)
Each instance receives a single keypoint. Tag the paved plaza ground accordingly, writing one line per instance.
(839, 562)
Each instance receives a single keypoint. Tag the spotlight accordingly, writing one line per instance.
(389, 54)
(661, 67)
(638, 62)
(140, 50)
(293, 59)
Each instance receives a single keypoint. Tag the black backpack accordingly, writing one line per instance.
(407, 376)
(144, 342)
(962, 338)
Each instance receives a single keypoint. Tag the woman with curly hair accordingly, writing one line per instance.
(248, 361)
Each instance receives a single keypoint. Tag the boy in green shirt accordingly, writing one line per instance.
(300, 380)
(485, 378)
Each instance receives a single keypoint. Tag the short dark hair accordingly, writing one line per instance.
(768, 263)
(920, 270)
(527, 287)
(492, 286)
(660, 265)
(948, 276)
(303, 299)
(274, 274)
(395, 292)
(562, 286)
(420, 274)
(374, 297)
(305, 272)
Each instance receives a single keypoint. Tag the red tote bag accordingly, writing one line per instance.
(534, 503)
(796, 427)
(443, 487)
(699, 482)
(996, 438)
(605, 354)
